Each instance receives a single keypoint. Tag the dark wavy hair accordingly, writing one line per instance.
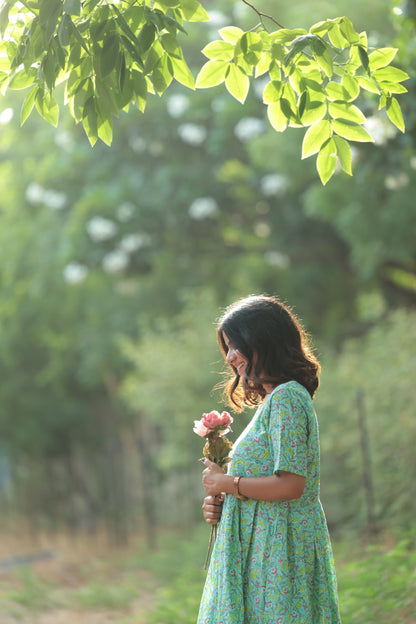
(275, 344)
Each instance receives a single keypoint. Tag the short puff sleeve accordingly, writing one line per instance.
(288, 431)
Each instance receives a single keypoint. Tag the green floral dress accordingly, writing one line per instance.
(272, 562)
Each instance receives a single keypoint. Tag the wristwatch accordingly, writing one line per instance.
(236, 489)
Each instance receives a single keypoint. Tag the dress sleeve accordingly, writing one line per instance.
(288, 431)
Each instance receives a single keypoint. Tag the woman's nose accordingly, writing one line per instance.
(230, 355)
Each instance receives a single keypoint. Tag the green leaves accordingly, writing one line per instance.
(394, 113)
(212, 74)
(110, 57)
(315, 137)
(47, 107)
(231, 61)
(327, 160)
(4, 17)
(237, 83)
(314, 79)
(28, 105)
(320, 138)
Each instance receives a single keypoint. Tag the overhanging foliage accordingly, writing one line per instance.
(111, 55)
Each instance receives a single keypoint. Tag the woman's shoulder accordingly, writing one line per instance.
(290, 390)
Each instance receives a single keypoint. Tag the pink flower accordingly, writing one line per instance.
(215, 419)
(200, 429)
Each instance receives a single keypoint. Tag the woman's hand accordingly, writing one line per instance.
(212, 478)
(212, 508)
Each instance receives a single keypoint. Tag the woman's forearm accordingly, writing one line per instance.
(282, 487)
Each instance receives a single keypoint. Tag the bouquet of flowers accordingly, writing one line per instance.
(213, 426)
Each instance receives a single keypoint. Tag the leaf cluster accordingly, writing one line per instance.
(108, 56)
(111, 56)
(313, 79)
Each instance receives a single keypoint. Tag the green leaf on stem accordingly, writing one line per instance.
(237, 83)
(272, 91)
(276, 116)
(211, 74)
(390, 74)
(231, 34)
(381, 57)
(219, 50)
(347, 111)
(89, 120)
(315, 136)
(327, 160)
(182, 73)
(394, 113)
(28, 105)
(351, 131)
(72, 7)
(193, 11)
(47, 107)
(364, 58)
(23, 79)
(344, 154)
(322, 57)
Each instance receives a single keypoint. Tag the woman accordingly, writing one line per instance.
(272, 562)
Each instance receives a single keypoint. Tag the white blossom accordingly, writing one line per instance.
(218, 18)
(75, 273)
(133, 242)
(379, 129)
(193, 134)
(34, 193)
(54, 199)
(6, 116)
(219, 104)
(413, 162)
(115, 261)
(249, 128)
(277, 259)
(137, 144)
(203, 208)
(396, 181)
(273, 184)
(355, 154)
(65, 140)
(156, 148)
(125, 211)
(240, 12)
(101, 229)
(262, 229)
(177, 105)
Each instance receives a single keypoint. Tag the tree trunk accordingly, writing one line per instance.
(366, 463)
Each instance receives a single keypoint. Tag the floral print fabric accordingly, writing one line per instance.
(272, 562)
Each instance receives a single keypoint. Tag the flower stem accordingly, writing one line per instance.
(212, 538)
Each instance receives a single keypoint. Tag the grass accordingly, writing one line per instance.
(30, 592)
(377, 583)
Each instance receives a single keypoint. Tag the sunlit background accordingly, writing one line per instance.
(115, 263)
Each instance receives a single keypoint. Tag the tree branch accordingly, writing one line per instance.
(262, 15)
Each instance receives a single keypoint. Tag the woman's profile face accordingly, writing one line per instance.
(235, 357)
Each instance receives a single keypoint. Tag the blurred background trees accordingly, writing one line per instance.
(115, 262)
